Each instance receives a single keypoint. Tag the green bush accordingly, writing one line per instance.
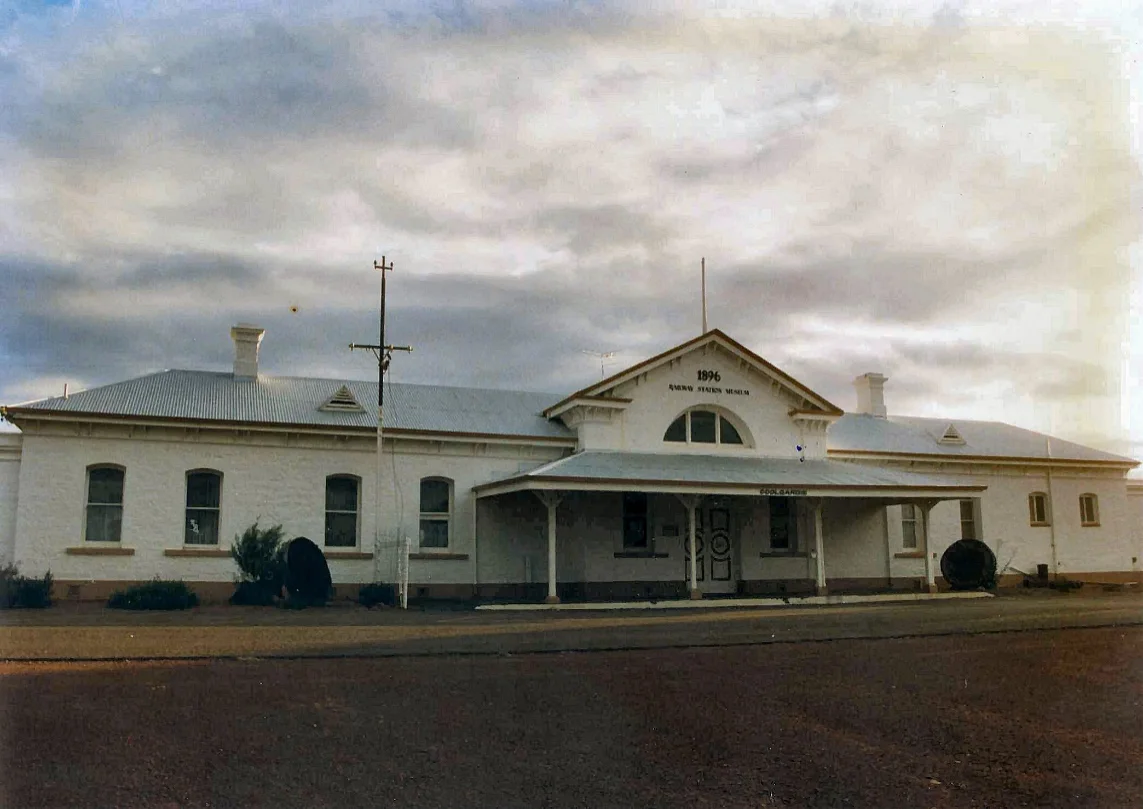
(253, 594)
(261, 559)
(377, 593)
(22, 591)
(154, 595)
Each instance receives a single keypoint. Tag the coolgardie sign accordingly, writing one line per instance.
(783, 492)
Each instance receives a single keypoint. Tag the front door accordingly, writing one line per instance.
(714, 557)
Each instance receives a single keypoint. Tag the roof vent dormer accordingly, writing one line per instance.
(951, 436)
(342, 401)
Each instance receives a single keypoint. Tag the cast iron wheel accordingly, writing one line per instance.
(969, 564)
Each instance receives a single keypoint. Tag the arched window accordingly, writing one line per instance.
(436, 512)
(1089, 510)
(701, 426)
(204, 507)
(341, 498)
(104, 503)
(1038, 511)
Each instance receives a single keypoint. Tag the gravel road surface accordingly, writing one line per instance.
(1038, 719)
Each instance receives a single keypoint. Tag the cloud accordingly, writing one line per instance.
(937, 203)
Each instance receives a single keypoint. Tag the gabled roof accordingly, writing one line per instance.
(297, 401)
(862, 434)
(713, 336)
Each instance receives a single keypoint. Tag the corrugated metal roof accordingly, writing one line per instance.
(217, 396)
(733, 471)
(919, 436)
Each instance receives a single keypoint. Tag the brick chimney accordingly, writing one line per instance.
(871, 394)
(246, 338)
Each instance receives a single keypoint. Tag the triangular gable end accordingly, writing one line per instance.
(603, 389)
(951, 436)
(342, 401)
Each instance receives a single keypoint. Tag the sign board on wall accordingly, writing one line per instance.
(707, 376)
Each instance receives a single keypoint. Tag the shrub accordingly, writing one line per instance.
(261, 559)
(154, 595)
(253, 594)
(293, 601)
(22, 591)
(377, 593)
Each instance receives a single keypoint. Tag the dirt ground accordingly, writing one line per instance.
(90, 632)
(1038, 719)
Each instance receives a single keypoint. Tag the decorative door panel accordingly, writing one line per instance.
(714, 551)
(718, 556)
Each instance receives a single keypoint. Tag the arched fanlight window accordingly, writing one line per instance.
(701, 426)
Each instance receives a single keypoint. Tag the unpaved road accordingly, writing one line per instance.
(1037, 718)
(90, 632)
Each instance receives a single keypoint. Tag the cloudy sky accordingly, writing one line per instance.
(947, 193)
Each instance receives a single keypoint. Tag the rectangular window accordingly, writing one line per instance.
(1038, 508)
(1089, 510)
(909, 531)
(968, 520)
(703, 426)
(204, 498)
(635, 520)
(341, 511)
(436, 512)
(104, 504)
(783, 534)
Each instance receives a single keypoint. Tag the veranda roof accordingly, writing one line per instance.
(717, 474)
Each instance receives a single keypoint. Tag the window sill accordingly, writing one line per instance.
(909, 555)
(641, 555)
(782, 555)
(1040, 524)
(423, 555)
(201, 553)
(1089, 525)
(347, 554)
(110, 550)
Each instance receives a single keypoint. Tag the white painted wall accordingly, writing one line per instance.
(853, 543)
(10, 445)
(1114, 545)
(1134, 526)
(42, 506)
(273, 484)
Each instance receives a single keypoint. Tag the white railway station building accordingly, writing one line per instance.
(597, 495)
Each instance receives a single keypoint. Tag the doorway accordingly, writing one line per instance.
(714, 550)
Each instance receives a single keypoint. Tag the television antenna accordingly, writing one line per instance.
(603, 356)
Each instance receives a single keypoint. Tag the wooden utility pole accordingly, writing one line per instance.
(384, 353)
